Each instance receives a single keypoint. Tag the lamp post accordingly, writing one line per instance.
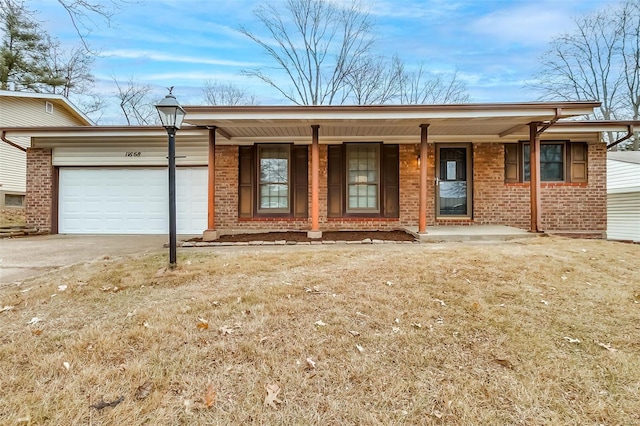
(171, 115)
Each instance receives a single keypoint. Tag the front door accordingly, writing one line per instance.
(453, 181)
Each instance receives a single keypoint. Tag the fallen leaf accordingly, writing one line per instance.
(354, 333)
(272, 396)
(437, 413)
(441, 302)
(66, 365)
(62, 287)
(416, 325)
(607, 347)
(359, 348)
(103, 404)
(395, 329)
(224, 330)
(320, 323)
(571, 340)
(36, 332)
(146, 324)
(311, 363)
(544, 302)
(144, 389)
(389, 283)
(203, 324)
(34, 320)
(504, 362)
(210, 396)
(6, 308)
(564, 277)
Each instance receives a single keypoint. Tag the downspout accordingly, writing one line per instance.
(550, 123)
(624, 138)
(13, 144)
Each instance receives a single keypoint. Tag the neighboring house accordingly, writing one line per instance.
(623, 195)
(318, 168)
(28, 109)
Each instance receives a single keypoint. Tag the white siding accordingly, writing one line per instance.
(130, 155)
(26, 112)
(623, 216)
(622, 176)
(623, 200)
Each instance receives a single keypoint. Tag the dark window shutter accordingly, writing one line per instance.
(511, 163)
(246, 179)
(335, 180)
(300, 157)
(578, 162)
(391, 180)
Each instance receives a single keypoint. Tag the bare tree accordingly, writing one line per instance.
(375, 80)
(420, 87)
(599, 60)
(83, 13)
(66, 71)
(630, 23)
(216, 93)
(316, 44)
(136, 102)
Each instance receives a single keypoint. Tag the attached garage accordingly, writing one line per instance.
(623, 196)
(116, 200)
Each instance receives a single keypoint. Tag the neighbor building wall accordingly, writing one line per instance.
(40, 188)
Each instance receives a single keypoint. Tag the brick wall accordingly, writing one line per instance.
(38, 199)
(564, 206)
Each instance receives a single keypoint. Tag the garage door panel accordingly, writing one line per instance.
(130, 201)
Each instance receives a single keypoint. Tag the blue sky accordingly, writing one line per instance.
(493, 44)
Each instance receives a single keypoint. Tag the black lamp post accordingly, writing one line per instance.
(171, 115)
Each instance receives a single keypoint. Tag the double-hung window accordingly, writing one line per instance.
(560, 161)
(274, 175)
(551, 162)
(273, 180)
(363, 178)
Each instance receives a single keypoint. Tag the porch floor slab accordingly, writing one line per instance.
(470, 233)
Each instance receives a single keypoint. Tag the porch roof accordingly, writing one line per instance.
(496, 122)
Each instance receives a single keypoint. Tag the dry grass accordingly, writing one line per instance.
(450, 334)
(12, 217)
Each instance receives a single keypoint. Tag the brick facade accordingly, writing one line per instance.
(565, 206)
(573, 207)
(40, 180)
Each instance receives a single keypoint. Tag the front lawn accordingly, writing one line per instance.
(537, 331)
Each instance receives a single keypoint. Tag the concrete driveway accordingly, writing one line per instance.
(22, 258)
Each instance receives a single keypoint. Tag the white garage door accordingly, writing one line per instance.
(130, 201)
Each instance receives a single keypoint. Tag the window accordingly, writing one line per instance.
(551, 162)
(273, 180)
(363, 174)
(363, 180)
(14, 200)
(48, 107)
(559, 162)
(273, 170)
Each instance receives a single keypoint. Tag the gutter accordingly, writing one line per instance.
(13, 144)
(624, 138)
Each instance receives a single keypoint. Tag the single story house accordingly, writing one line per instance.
(317, 168)
(623, 195)
(28, 109)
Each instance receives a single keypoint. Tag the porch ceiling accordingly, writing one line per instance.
(498, 122)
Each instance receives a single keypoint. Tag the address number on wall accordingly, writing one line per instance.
(132, 154)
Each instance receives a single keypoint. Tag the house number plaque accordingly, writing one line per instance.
(132, 154)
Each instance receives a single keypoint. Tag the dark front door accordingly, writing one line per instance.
(453, 188)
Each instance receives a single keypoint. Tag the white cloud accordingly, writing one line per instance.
(163, 57)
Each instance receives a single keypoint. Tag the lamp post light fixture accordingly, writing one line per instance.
(171, 116)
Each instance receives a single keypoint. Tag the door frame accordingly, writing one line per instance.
(469, 173)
